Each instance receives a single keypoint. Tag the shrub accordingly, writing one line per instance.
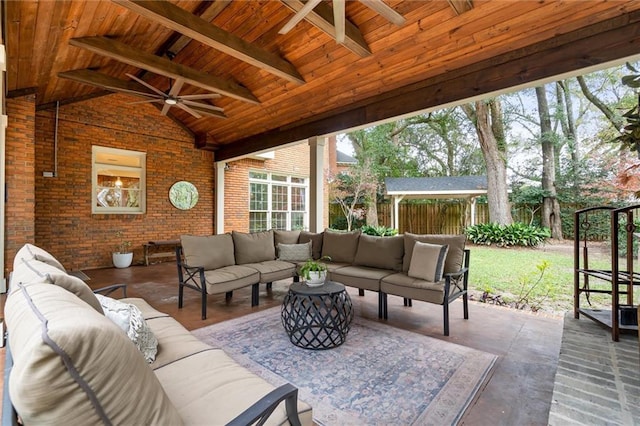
(516, 234)
(379, 231)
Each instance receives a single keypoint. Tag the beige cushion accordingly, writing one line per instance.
(316, 242)
(76, 286)
(285, 237)
(210, 252)
(74, 366)
(380, 252)
(230, 278)
(294, 252)
(340, 246)
(427, 261)
(29, 251)
(254, 247)
(455, 256)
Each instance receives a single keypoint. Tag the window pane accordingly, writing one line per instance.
(257, 221)
(278, 220)
(279, 198)
(258, 175)
(297, 180)
(279, 178)
(297, 221)
(298, 199)
(118, 180)
(259, 196)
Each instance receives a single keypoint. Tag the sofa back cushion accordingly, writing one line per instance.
(380, 252)
(254, 247)
(210, 252)
(340, 246)
(74, 366)
(316, 242)
(29, 251)
(455, 255)
(31, 270)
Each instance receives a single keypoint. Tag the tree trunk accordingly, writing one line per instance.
(484, 118)
(550, 206)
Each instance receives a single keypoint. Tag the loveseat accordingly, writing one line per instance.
(430, 268)
(72, 362)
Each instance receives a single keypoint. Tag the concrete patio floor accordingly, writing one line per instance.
(517, 392)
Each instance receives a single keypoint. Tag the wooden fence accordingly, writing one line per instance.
(438, 217)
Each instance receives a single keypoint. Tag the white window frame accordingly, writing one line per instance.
(118, 162)
(289, 184)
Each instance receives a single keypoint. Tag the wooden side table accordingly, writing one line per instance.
(317, 317)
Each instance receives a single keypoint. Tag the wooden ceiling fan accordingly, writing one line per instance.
(172, 98)
(339, 18)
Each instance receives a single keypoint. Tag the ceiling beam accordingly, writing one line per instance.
(94, 78)
(600, 43)
(141, 59)
(321, 17)
(178, 19)
(460, 6)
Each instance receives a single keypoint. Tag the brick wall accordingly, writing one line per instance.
(292, 161)
(20, 163)
(64, 223)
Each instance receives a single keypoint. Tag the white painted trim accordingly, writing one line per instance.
(316, 183)
(219, 196)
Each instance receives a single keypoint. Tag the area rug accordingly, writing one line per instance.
(381, 375)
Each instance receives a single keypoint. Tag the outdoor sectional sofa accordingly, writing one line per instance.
(431, 268)
(69, 363)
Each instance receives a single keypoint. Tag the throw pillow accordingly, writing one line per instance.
(254, 247)
(294, 252)
(129, 318)
(427, 261)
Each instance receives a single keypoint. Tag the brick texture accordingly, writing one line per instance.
(64, 223)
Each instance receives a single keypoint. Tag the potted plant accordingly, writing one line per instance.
(122, 256)
(314, 272)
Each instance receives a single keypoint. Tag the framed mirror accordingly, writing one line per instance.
(183, 195)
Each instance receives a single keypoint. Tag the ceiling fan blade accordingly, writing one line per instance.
(203, 96)
(385, 11)
(201, 105)
(177, 86)
(145, 84)
(165, 109)
(339, 20)
(299, 16)
(208, 113)
(189, 110)
(148, 101)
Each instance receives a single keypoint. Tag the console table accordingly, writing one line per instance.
(151, 246)
(317, 317)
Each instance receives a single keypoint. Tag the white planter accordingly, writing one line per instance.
(122, 260)
(316, 278)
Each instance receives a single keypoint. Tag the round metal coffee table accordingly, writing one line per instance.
(317, 317)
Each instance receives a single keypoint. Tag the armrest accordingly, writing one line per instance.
(111, 288)
(259, 412)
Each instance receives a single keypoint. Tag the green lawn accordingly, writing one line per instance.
(514, 275)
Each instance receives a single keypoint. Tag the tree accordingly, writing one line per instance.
(348, 190)
(550, 207)
(486, 116)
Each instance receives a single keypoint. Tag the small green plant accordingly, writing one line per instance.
(516, 234)
(534, 289)
(312, 265)
(123, 246)
(379, 231)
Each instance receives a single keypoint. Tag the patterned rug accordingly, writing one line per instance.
(381, 375)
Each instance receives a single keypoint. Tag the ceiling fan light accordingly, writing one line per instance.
(170, 101)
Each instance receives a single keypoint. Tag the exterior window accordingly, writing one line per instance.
(277, 202)
(118, 181)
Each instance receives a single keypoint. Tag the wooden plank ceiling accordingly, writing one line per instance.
(396, 57)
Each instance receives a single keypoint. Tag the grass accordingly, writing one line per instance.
(529, 278)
